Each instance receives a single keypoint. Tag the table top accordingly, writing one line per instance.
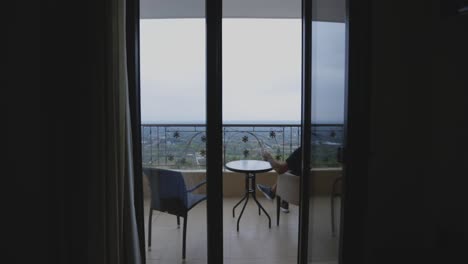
(248, 166)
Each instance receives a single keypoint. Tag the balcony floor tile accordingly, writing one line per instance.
(255, 243)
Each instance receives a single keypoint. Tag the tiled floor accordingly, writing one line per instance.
(255, 243)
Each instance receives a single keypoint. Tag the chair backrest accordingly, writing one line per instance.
(168, 190)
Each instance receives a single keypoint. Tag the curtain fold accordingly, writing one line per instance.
(119, 239)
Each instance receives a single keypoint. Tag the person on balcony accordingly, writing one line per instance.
(292, 164)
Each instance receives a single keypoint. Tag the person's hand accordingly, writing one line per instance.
(266, 155)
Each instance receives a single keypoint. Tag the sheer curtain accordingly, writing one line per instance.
(119, 236)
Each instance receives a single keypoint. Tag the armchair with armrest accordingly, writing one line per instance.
(287, 188)
(169, 194)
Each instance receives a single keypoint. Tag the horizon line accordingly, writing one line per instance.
(232, 122)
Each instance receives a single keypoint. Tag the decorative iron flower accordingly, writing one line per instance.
(203, 138)
(246, 153)
(176, 134)
(170, 157)
(272, 134)
(245, 139)
(203, 152)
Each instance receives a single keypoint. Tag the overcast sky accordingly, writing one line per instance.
(261, 70)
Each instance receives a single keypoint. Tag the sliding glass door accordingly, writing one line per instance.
(327, 32)
(261, 112)
(174, 135)
(227, 80)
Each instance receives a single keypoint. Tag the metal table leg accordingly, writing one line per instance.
(250, 189)
(234, 208)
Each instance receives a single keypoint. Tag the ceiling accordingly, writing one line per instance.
(323, 10)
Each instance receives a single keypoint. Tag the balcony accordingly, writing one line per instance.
(182, 147)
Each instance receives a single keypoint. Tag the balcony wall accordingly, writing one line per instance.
(234, 183)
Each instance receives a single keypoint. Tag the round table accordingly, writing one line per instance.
(250, 168)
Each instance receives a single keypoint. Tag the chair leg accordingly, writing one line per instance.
(278, 204)
(332, 204)
(184, 236)
(332, 214)
(149, 227)
(178, 221)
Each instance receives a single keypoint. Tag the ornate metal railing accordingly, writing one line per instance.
(182, 146)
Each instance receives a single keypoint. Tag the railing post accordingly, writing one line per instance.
(151, 145)
(282, 144)
(165, 145)
(225, 139)
(157, 148)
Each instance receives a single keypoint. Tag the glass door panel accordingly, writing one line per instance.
(327, 106)
(261, 111)
(173, 59)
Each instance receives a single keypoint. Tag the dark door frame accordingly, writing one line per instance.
(356, 152)
(356, 143)
(356, 127)
(214, 128)
(306, 122)
(132, 25)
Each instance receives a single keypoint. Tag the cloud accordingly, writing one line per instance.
(261, 70)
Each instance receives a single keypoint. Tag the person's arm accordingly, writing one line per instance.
(279, 166)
